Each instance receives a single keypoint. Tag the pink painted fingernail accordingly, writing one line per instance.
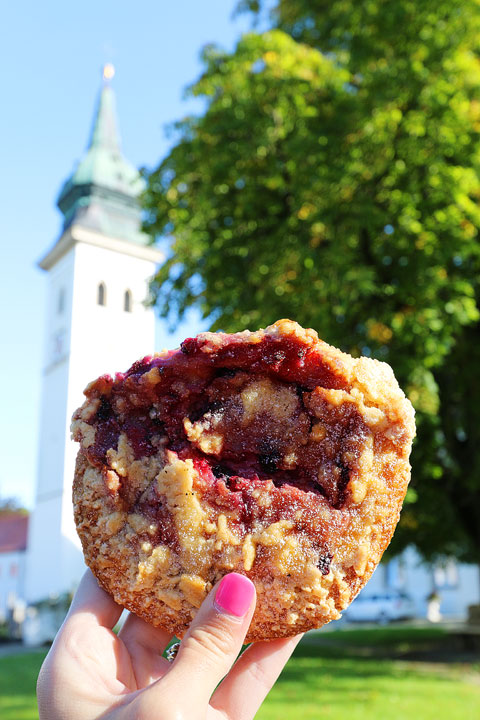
(234, 594)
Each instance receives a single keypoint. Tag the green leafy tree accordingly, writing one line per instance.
(333, 178)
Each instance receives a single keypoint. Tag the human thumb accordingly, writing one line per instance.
(215, 637)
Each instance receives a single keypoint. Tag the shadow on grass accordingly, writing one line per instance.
(428, 645)
(310, 663)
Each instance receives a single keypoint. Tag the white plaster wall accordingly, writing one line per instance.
(44, 538)
(104, 339)
(44, 550)
(55, 379)
(52, 432)
(108, 339)
(60, 277)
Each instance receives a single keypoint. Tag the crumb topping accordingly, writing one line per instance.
(268, 453)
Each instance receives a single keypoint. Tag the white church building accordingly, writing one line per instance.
(97, 322)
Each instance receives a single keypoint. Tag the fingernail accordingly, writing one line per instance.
(234, 594)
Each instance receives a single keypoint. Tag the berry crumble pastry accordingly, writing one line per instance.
(268, 453)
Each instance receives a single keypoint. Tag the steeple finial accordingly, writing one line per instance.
(105, 130)
(108, 72)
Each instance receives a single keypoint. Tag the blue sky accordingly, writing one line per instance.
(51, 55)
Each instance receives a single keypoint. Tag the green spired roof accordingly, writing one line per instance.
(102, 193)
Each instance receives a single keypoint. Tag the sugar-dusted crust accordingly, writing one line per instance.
(268, 453)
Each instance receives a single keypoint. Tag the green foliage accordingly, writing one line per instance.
(334, 178)
(239, 185)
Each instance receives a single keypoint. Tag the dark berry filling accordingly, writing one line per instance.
(324, 562)
(250, 416)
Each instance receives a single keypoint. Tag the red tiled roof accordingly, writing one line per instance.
(13, 532)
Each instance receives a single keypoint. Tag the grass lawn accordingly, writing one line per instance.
(347, 675)
(376, 674)
(18, 677)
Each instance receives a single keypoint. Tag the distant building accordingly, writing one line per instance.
(13, 545)
(97, 322)
(456, 585)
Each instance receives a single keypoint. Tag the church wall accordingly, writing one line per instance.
(103, 339)
(83, 340)
(43, 577)
(107, 339)
(55, 379)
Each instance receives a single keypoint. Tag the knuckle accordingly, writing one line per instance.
(214, 639)
(260, 676)
(73, 639)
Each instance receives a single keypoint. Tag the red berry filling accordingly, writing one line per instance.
(250, 415)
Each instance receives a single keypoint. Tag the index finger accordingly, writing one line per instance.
(94, 603)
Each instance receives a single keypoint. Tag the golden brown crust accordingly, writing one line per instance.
(308, 553)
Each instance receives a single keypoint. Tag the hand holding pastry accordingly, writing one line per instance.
(92, 673)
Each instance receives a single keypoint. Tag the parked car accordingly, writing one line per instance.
(381, 607)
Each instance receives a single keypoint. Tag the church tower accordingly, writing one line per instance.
(97, 322)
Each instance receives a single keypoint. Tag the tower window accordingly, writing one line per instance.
(101, 294)
(127, 301)
(61, 301)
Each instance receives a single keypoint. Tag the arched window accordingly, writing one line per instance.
(101, 294)
(61, 301)
(127, 301)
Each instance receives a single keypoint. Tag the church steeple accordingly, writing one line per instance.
(102, 193)
(105, 127)
(97, 320)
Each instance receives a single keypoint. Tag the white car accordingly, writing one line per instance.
(382, 607)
